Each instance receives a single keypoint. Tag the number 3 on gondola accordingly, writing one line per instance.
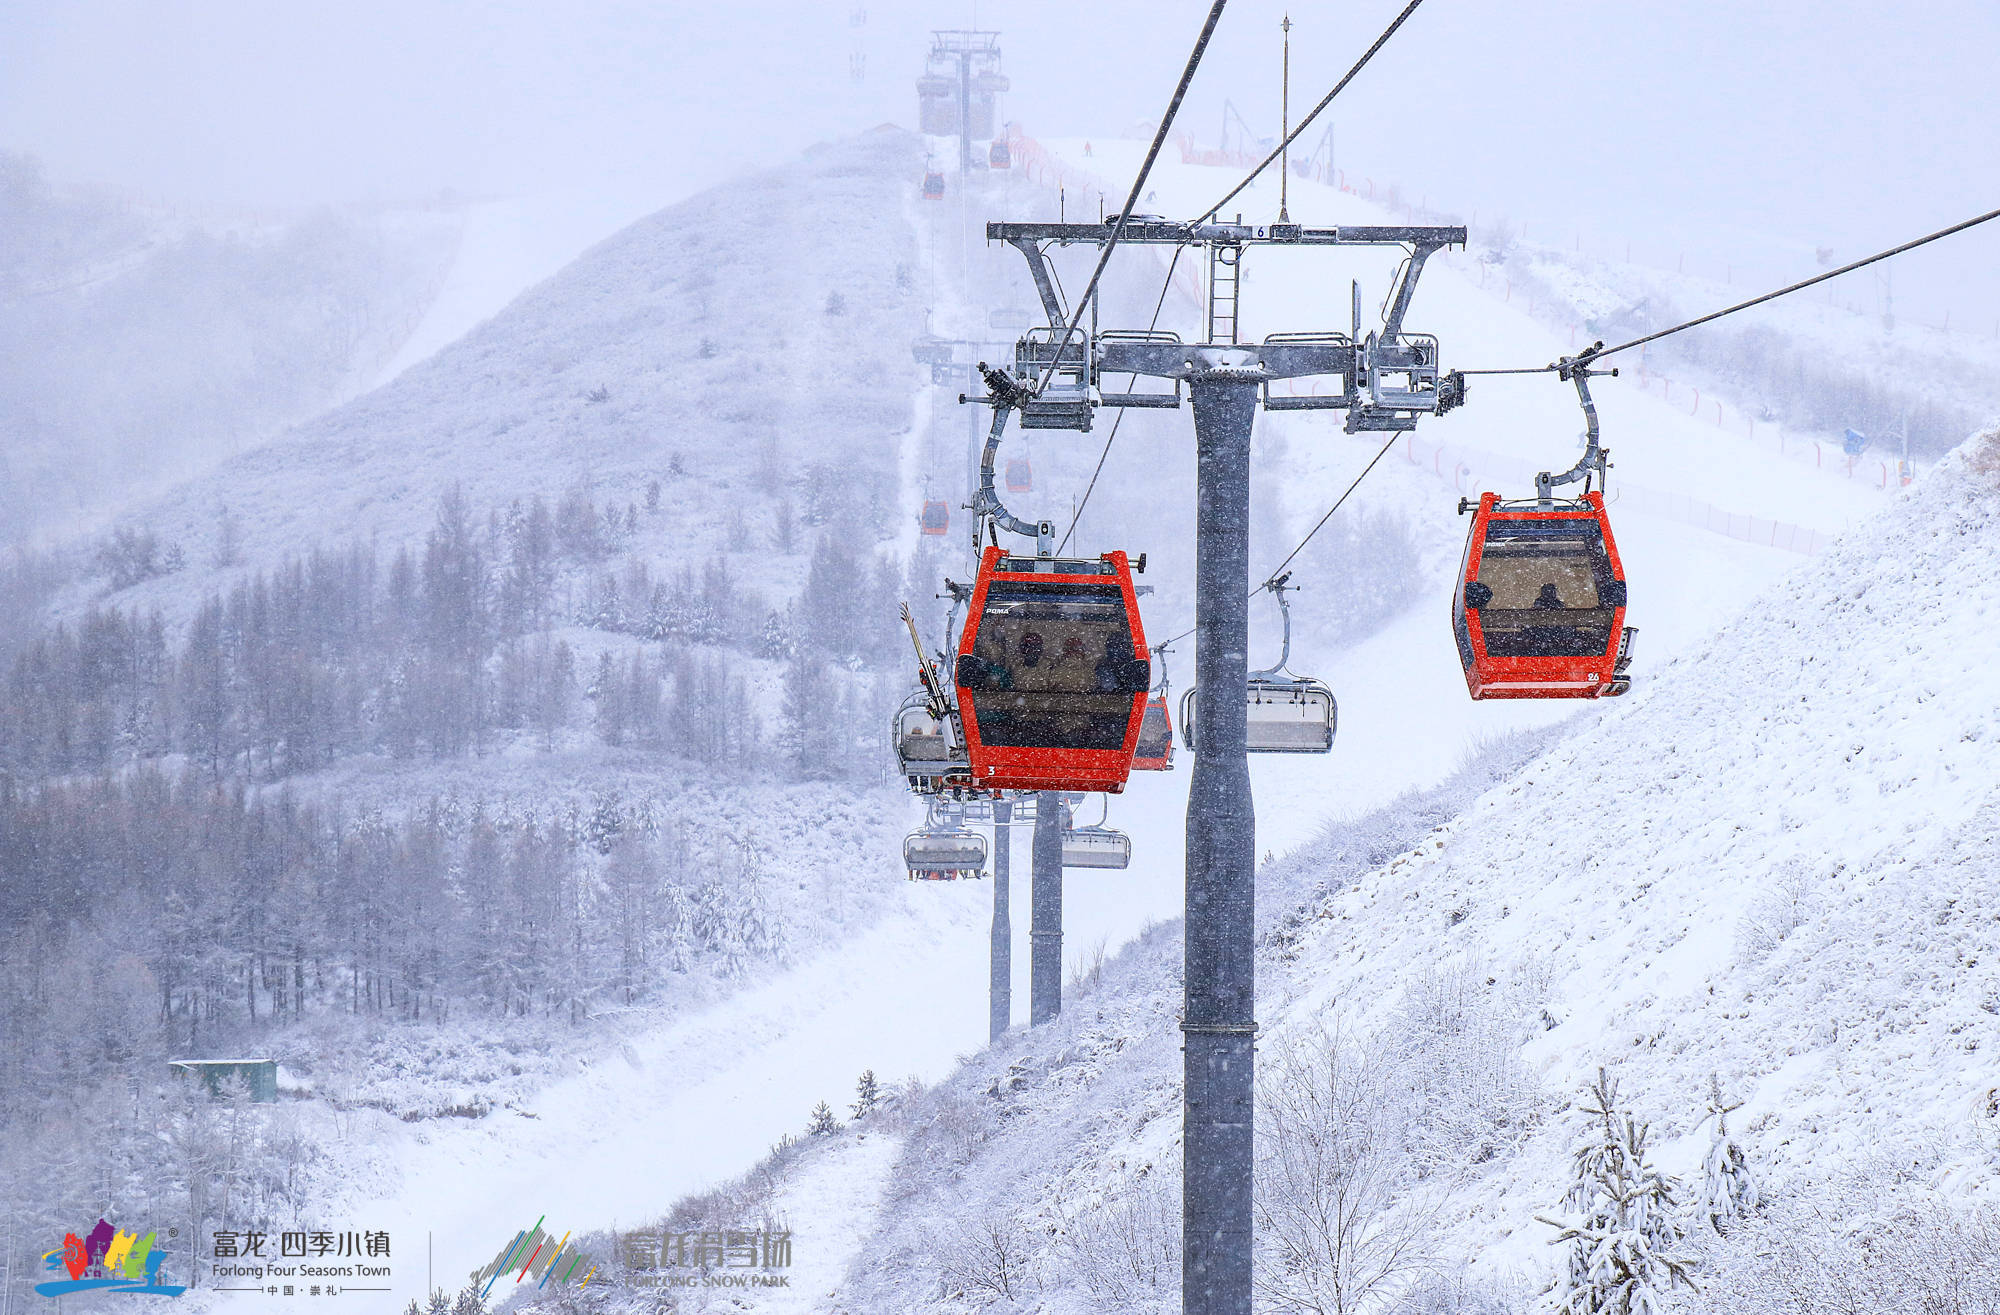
(1052, 673)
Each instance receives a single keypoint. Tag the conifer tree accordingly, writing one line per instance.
(823, 1121)
(867, 1094)
(1623, 1244)
(1729, 1191)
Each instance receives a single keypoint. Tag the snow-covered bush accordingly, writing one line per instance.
(985, 1260)
(1127, 1251)
(1458, 1032)
(1460, 1294)
(1867, 1248)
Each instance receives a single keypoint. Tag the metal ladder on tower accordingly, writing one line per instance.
(1222, 281)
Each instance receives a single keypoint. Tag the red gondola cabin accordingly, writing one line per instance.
(1052, 673)
(1540, 612)
(933, 185)
(936, 518)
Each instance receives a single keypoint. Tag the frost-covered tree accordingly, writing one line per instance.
(867, 1094)
(1342, 1221)
(823, 1121)
(807, 709)
(1729, 1190)
(1623, 1242)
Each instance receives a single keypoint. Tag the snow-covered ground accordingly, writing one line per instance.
(1798, 767)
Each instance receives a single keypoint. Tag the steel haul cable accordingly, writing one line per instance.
(1138, 184)
(1325, 101)
(1598, 353)
(1119, 419)
(1382, 452)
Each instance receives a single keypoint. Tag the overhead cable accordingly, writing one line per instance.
(1138, 185)
(1325, 101)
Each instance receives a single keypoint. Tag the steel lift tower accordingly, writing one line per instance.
(960, 89)
(1387, 380)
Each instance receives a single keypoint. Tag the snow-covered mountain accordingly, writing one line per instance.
(140, 346)
(597, 606)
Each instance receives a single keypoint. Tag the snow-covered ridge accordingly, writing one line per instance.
(715, 347)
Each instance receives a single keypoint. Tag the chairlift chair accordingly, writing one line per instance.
(942, 852)
(1052, 672)
(1282, 712)
(929, 754)
(1539, 612)
(1098, 846)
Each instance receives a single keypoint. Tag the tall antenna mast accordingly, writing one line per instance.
(1285, 125)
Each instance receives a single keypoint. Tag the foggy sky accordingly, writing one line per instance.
(1739, 133)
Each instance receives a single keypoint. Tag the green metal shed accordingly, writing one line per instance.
(259, 1075)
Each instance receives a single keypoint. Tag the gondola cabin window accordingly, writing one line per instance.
(1544, 589)
(1052, 666)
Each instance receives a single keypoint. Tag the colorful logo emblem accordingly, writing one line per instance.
(531, 1251)
(124, 1262)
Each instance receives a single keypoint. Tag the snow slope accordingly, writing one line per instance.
(1775, 864)
(508, 408)
(707, 328)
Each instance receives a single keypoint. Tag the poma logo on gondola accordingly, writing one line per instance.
(107, 1258)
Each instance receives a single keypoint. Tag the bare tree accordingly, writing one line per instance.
(985, 1260)
(1127, 1250)
(1343, 1220)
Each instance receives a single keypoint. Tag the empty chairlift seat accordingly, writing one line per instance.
(1096, 847)
(1052, 673)
(944, 854)
(1282, 713)
(1540, 611)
